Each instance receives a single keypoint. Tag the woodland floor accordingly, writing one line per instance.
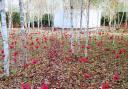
(49, 57)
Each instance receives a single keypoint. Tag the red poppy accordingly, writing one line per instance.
(32, 43)
(26, 65)
(11, 46)
(113, 51)
(84, 60)
(2, 51)
(111, 37)
(44, 86)
(14, 59)
(105, 85)
(99, 43)
(122, 51)
(36, 46)
(38, 42)
(44, 47)
(25, 86)
(45, 39)
(34, 61)
(116, 76)
(83, 46)
(100, 33)
(37, 39)
(70, 51)
(87, 76)
(117, 56)
(88, 47)
(68, 59)
(3, 56)
(15, 53)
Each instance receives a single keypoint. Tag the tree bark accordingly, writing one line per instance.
(87, 29)
(5, 39)
(71, 22)
(23, 35)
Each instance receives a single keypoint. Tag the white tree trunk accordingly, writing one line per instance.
(21, 15)
(23, 35)
(38, 21)
(72, 31)
(5, 39)
(10, 16)
(87, 31)
(81, 15)
(28, 16)
(33, 24)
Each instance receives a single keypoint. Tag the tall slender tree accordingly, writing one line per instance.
(5, 38)
(23, 34)
(87, 28)
(10, 14)
(71, 23)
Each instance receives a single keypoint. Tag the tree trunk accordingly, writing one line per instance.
(71, 19)
(62, 31)
(81, 23)
(5, 39)
(38, 21)
(23, 35)
(126, 21)
(87, 31)
(33, 24)
(53, 13)
(81, 15)
(10, 16)
(28, 16)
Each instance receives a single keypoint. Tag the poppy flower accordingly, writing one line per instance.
(11, 46)
(36, 46)
(34, 61)
(84, 60)
(25, 86)
(105, 85)
(37, 39)
(122, 51)
(99, 43)
(15, 53)
(100, 33)
(26, 65)
(111, 37)
(117, 56)
(88, 47)
(116, 76)
(83, 46)
(3, 56)
(14, 59)
(2, 51)
(32, 43)
(87, 76)
(70, 51)
(44, 47)
(45, 39)
(68, 59)
(44, 86)
(113, 51)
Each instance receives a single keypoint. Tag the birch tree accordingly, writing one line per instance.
(87, 28)
(10, 14)
(23, 34)
(5, 38)
(71, 23)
